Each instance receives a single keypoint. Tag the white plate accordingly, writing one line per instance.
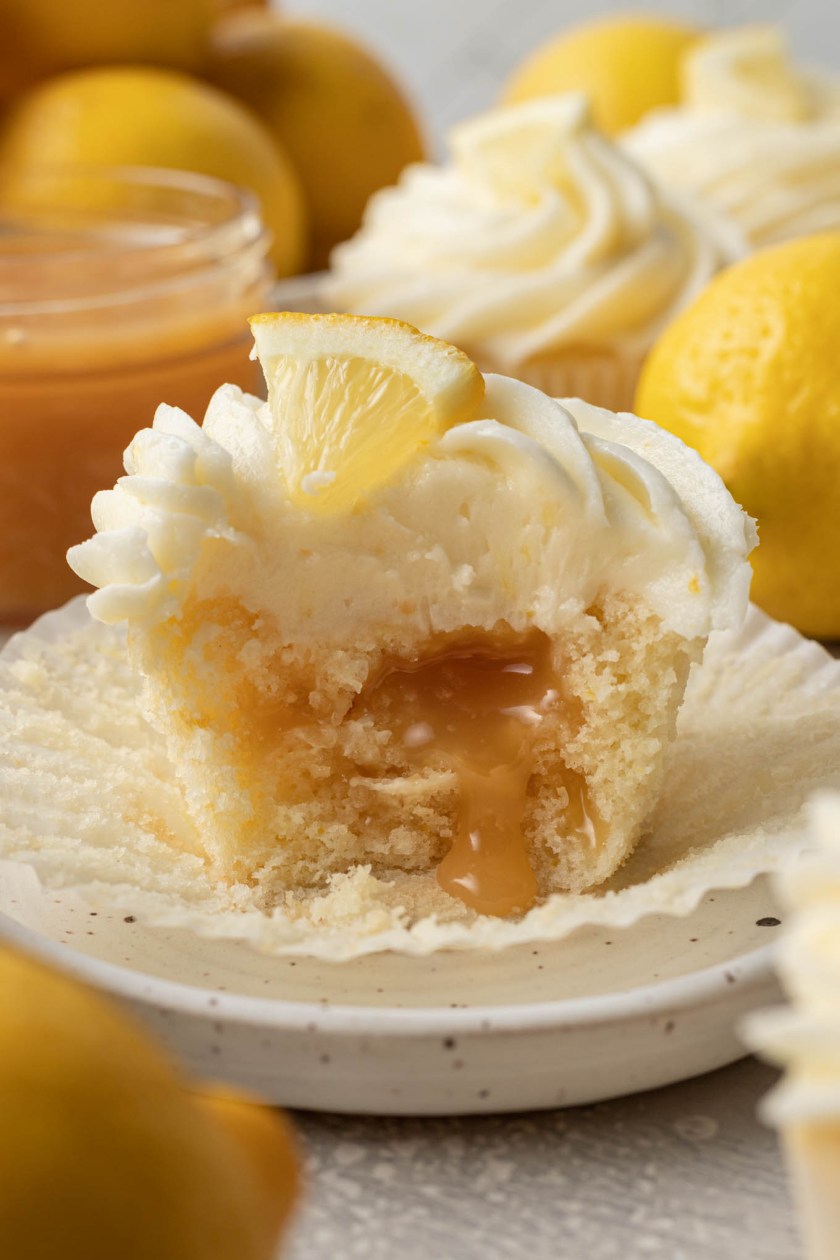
(603, 1013)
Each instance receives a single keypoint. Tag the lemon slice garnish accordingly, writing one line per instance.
(353, 399)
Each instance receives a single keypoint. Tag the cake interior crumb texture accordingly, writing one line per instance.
(290, 780)
(91, 801)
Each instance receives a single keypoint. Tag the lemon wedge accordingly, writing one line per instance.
(353, 399)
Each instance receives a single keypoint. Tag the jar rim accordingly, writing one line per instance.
(149, 252)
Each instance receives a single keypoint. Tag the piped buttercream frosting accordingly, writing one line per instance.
(537, 236)
(524, 514)
(755, 136)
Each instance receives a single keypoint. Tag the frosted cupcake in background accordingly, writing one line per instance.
(755, 136)
(540, 249)
(805, 1037)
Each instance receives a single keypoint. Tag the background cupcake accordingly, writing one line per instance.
(805, 1037)
(756, 136)
(540, 249)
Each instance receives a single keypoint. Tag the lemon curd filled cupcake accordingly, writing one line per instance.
(755, 136)
(405, 620)
(540, 249)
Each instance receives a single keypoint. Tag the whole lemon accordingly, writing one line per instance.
(749, 376)
(39, 38)
(148, 117)
(266, 1143)
(105, 1154)
(626, 66)
(337, 112)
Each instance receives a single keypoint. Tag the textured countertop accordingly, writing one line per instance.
(683, 1173)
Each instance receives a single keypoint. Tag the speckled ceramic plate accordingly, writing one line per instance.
(603, 1013)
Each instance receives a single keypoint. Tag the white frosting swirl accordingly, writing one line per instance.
(755, 137)
(805, 1037)
(538, 236)
(525, 515)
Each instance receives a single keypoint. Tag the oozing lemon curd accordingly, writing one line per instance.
(134, 292)
(476, 707)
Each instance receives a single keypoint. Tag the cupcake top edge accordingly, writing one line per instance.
(501, 505)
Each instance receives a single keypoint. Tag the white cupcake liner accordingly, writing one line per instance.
(605, 380)
(89, 801)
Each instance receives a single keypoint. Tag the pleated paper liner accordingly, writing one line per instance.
(90, 801)
(601, 377)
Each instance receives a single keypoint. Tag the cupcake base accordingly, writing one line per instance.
(603, 379)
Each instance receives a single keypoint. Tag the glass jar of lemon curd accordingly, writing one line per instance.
(119, 290)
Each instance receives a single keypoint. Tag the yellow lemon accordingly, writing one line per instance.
(225, 6)
(104, 1153)
(267, 1144)
(353, 399)
(337, 112)
(627, 66)
(147, 117)
(748, 375)
(39, 38)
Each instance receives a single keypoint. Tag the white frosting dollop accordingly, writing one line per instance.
(805, 1036)
(755, 137)
(526, 514)
(539, 235)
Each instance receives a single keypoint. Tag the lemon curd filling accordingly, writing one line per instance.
(475, 706)
(410, 624)
(471, 708)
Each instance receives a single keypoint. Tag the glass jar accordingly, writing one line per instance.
(119, 289)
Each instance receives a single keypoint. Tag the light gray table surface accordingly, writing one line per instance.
(682, 1173)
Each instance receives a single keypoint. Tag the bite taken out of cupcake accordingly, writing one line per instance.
(408, 619)
(540, 248)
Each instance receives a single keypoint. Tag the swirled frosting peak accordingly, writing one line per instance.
(748, 71)
(523, 515)
(756, 136)
(539, 235)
